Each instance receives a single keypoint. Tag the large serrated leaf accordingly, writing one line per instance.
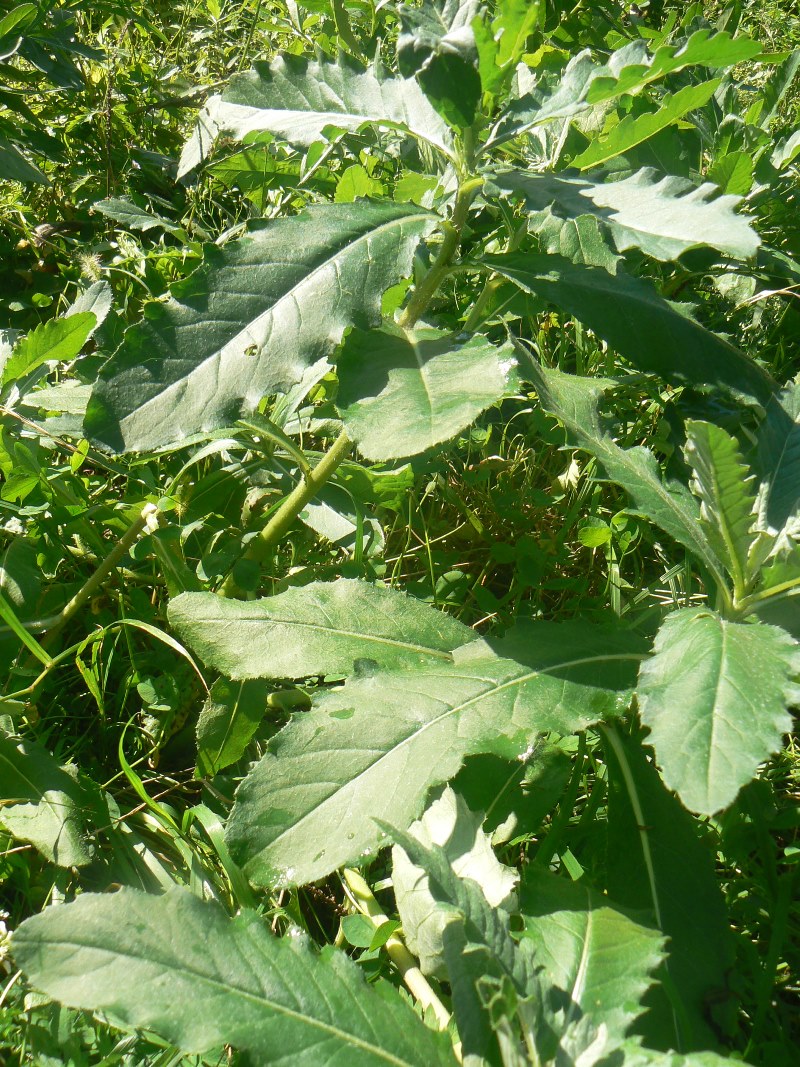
(321, 628)
(723, 484)
(714, 695)
(229, 981)
(403, 391)
(438, 27)
(657, 864)
(297, 98)
(57, 340)
(374, 748)
(668, 504)
(633, 130)
(663, 217)
(250, 320)
(630, 314)
(779, 460)
(589, 948)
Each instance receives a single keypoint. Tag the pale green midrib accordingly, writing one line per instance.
(213, 357)
(279, 1009)
(357, 635)
(519, 680)
(579, 982)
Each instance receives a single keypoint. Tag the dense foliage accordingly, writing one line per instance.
(400, 415)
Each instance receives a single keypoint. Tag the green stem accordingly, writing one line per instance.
(363, 899)
(53, 623)
(311, 483)
(750, 603)
(425, 291)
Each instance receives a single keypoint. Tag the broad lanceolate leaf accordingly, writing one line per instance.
(57, 339)
(723, 483)
(229, 981)
(589, 948)
(662, 217)
(656, 863)
(297, 98)
(779, 460)
(374, 748)
(450, 824)
(402, 391)
(629, 313)
(231, 715)
(250, 320)
(321, 628)
(714, 696)
(668, 504)
(585, 83)
(41, 803)
(633, 130)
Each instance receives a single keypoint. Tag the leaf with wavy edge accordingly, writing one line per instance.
(403, 391)
(372, 749)
(633, 130)
(714, 695)
(636, 321)
(250, 320)
(296, 98)
(723, 483)
(664, 218)
(229, 980)
(321, 628)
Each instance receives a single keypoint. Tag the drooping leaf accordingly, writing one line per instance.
(439, 27)
(297, 98)
(668, 504)
(231, 715)
(374, 748)
(596, 953)
(723, 484)
(779, 460)
(129, 214)
(623, 310)
(16, 167)
(713, 717)
(321, 628)
(57, 340)
(633, 130)
(403, 391)
(230, 982)
(664, 218)
(450, 824)
(41, 803)
(250, 320)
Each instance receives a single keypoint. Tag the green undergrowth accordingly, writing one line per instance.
(399, 522)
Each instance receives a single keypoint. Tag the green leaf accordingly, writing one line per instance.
(229, 980)
(723, 483)
(632, 130)
(622, 310)
(56, 340)
(779, 460)
(664, 218)
(668, 504)
(448, 823)
(298, 98)
(321, 628)
(16, 167)
(374, 748)
(713, 718)
(250, 320)
(438, 27)
(584, 83)
(125, 211)
(501, 42)
(41, 803)
(403, 391)
(657, 864)
(589, 948)
(231, 715)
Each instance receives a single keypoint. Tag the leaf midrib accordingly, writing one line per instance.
(280, 1009)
